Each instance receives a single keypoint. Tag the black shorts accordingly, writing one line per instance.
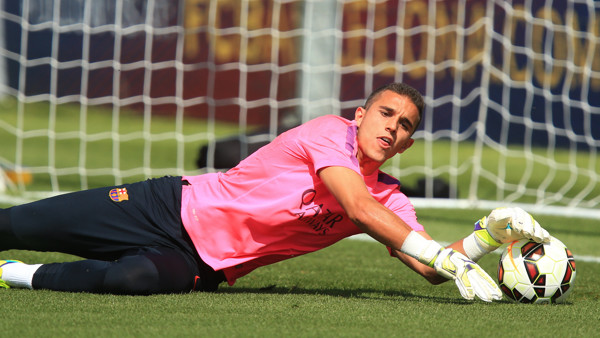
(108, 223)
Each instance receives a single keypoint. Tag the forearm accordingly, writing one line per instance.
(366, 212)
(380, 223)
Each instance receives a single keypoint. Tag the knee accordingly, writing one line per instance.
(132, 276)
(147, 275)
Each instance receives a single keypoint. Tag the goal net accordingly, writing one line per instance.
(105, 92)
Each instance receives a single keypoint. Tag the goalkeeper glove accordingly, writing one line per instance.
(503, 225)
(469, 277)
(511, 224)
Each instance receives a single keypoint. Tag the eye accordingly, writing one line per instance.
(405, 124)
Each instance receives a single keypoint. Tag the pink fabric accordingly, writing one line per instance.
(273, 206)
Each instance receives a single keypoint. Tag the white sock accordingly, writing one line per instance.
(19, 275)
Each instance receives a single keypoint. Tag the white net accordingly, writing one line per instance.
(104, 92)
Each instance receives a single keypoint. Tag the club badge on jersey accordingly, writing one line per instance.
(119, 194)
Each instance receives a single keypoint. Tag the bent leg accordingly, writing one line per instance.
(91, 224)
(83, 223)
(140, 272)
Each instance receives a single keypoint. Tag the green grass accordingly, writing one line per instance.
(352, 288)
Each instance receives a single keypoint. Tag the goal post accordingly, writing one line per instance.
(105, 92)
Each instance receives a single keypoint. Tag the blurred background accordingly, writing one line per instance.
(104, 92)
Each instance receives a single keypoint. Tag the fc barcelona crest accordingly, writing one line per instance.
(119, 194)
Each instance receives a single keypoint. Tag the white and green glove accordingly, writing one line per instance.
(469, 277)
(503, 225)
(512, 224)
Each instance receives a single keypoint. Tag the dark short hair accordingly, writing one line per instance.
(400, 89)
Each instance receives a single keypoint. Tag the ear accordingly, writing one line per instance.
(406, 145)
(359, 114)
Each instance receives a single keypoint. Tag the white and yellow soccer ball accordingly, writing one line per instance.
(530, 272)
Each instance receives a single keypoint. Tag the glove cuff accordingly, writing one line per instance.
(484, 237)
(480, 242)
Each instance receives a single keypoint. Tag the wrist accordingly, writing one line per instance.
(484, 236)
(422, 249)
(480, 242)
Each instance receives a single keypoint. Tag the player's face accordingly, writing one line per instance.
(385, 129)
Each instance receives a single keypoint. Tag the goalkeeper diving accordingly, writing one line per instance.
(309, 188)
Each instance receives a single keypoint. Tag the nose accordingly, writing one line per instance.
(391, 125)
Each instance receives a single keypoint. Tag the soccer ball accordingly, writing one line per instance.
(530, 272)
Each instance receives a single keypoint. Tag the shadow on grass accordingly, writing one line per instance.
(359, 293)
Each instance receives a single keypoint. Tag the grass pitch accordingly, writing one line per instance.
(352, 288)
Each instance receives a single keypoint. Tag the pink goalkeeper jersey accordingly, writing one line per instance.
(273, 206)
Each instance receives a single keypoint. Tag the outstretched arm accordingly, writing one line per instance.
(386, 227)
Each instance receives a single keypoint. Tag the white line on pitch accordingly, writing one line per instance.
(578, 258)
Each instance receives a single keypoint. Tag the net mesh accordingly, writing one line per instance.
(105, 92)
